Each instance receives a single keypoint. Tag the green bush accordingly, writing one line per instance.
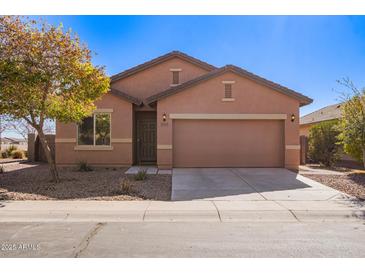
(323, 147)
(352, 123)
(84, 166)
(17, 154)
(141, 175)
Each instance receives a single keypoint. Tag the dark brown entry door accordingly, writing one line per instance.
(146, 141)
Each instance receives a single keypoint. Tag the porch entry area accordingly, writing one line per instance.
(145, 138)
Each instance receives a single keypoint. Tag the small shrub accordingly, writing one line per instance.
(126, 186)
(17, 154)
(323, 143)
(141, 175)
(2, 169)
(25, 153)
(10, 149)
(84, 167)
(4, 154)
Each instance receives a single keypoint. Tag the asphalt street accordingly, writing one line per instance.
(274, 239)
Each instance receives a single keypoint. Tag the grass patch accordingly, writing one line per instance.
(141, 175)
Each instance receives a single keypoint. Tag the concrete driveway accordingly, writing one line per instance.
(247, 184)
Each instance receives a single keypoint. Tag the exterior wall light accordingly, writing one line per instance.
(293, 117)
(164, 117)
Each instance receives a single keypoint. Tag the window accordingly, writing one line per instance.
(227, 90)
(95, 130)
(175, 77)
(102, 129)
(86, 131)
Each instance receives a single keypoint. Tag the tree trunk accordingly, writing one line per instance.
(47, 152)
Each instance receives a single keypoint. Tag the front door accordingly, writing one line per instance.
(146, 137)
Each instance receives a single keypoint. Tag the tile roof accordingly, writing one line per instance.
(324, 114)
(12, 139)
(159, 60)
(304, 100)
(126, 96)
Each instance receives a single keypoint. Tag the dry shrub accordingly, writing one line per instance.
(126, 186)
(17, 154)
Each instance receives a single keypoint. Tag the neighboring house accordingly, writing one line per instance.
(332, 112)
(177, 111)
(329, 113)
(10, 141)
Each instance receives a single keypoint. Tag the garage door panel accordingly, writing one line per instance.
(232, 143)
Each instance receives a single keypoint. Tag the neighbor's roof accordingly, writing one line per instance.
(324, 114)
(159, 60)
(12, 139)
(304, 100)
(126, 96)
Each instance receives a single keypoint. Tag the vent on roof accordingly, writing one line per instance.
(227, 90)
(175, 77)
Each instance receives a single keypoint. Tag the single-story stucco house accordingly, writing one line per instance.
(328, 113)
(177, 111)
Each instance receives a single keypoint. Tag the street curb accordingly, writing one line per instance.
(182, 216)
(325, 215)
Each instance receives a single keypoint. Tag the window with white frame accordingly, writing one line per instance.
(95, 130)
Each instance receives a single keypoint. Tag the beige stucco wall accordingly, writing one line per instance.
(157, 78)
(120, 153)
(250, 98)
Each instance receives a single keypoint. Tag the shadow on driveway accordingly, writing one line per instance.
(236, 183)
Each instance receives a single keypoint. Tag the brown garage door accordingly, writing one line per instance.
(228, 143)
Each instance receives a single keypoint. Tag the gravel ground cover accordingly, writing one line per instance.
(24, 181)
(350, 183)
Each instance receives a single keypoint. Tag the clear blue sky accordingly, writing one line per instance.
(305, 53)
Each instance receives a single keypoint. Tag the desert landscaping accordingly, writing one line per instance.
(26, 181)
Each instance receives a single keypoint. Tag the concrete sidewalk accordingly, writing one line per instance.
(180, 211)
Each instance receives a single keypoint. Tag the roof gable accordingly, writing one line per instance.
(239, 71)
(159, 60)
(125, 96)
